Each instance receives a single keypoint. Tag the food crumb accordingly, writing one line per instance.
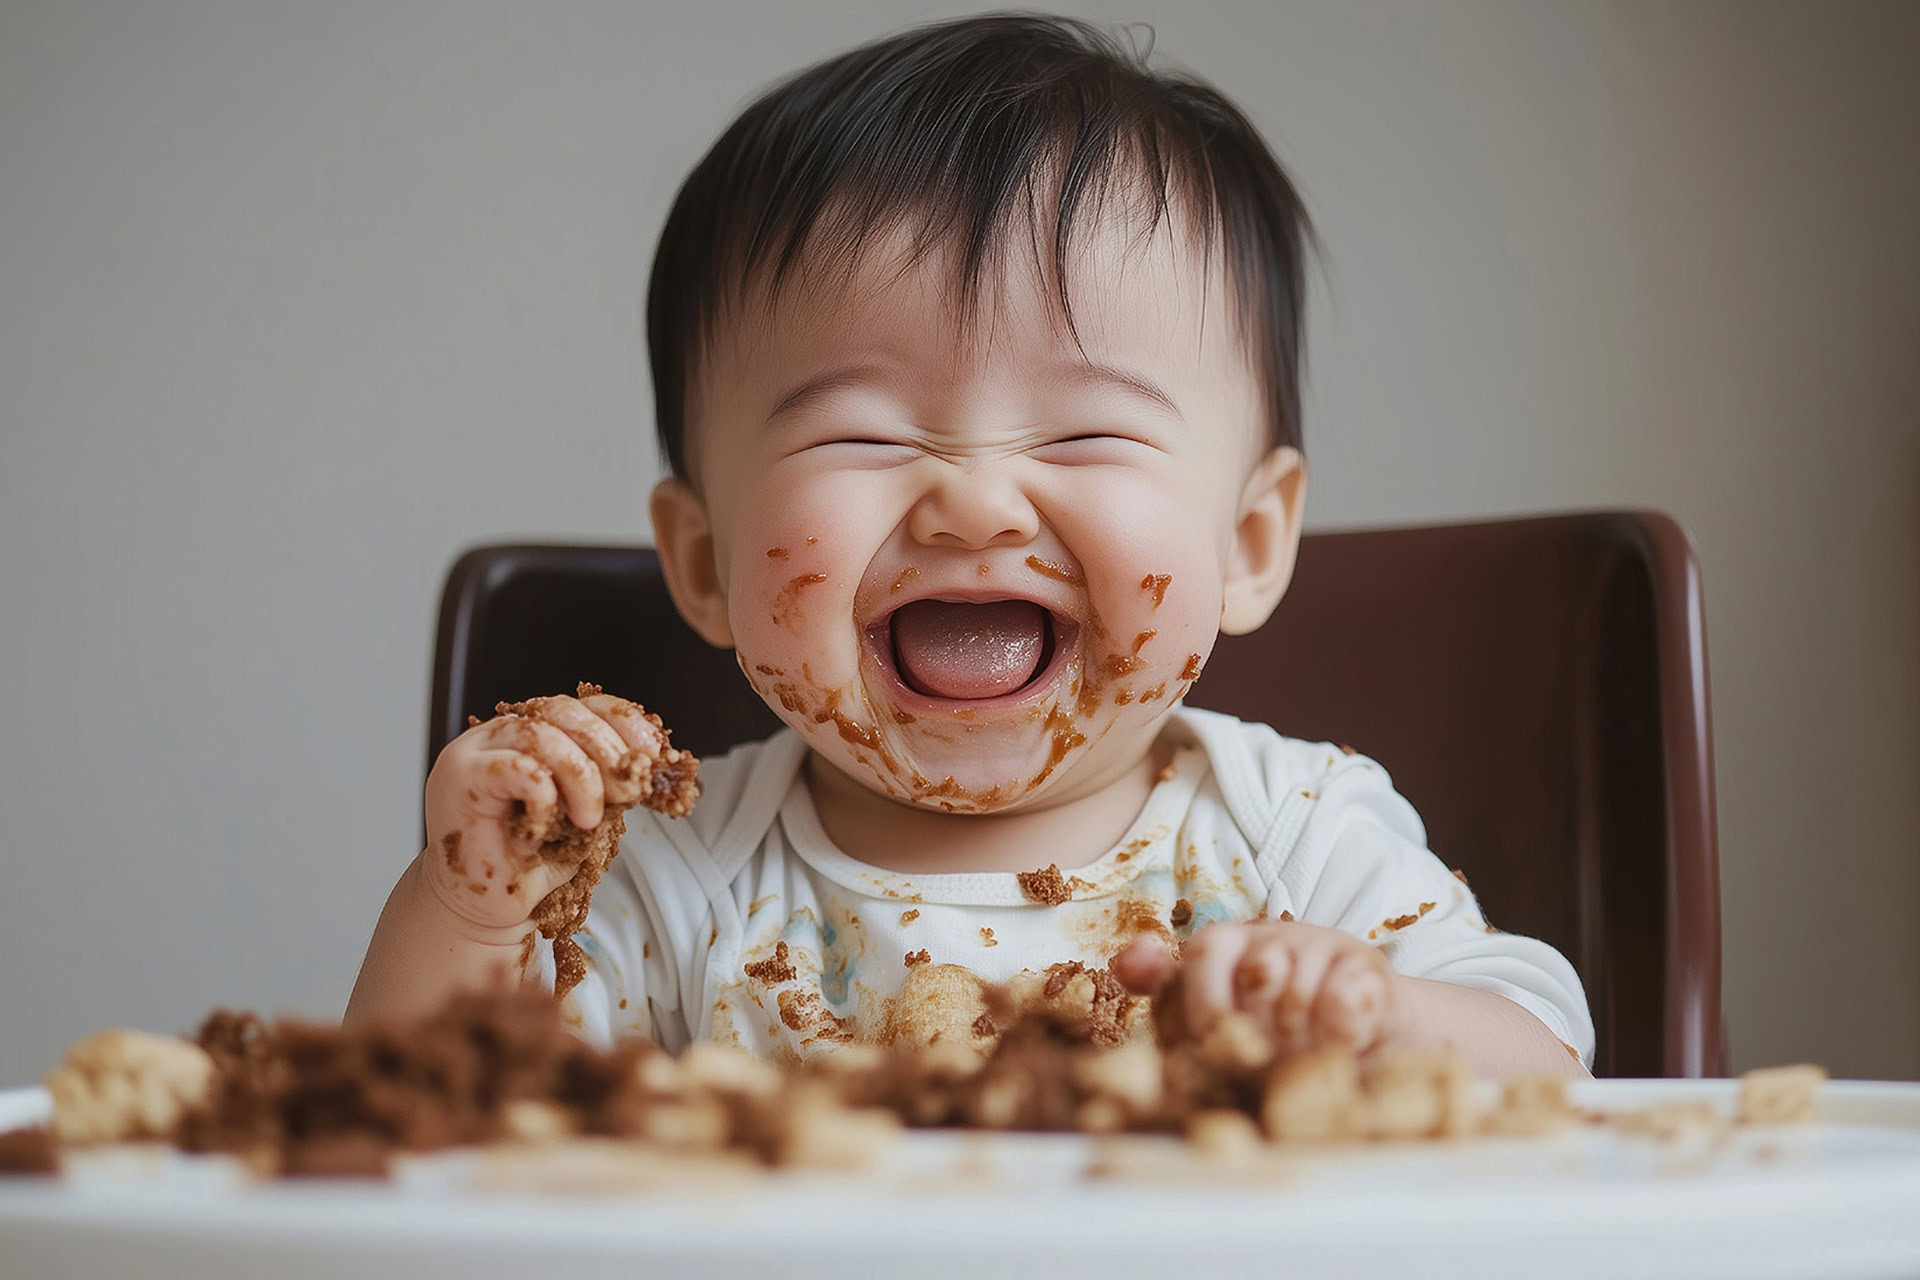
(1426, 907)
(918, 957)
(910, 915)
(986, 937)
(1182, 914)
(1045, 886)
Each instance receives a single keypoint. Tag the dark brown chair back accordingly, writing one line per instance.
(1537, 688)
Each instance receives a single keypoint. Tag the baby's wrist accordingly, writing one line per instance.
(443, 912)
(1400, 1022)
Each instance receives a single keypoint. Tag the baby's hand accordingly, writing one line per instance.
(1304, 985)
(494, 795)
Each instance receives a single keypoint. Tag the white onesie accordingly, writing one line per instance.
(682, 937)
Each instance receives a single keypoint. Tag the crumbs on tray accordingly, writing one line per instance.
(1062, 1050)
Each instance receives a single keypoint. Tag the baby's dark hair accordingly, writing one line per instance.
(954, 124)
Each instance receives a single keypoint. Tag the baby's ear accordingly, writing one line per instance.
(683, 535)
(1265, 537)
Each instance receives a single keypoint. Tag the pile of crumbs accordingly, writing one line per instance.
(294, 1099)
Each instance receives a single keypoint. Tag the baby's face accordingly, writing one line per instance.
(975, 567)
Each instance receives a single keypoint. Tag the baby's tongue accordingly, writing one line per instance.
(951, 649)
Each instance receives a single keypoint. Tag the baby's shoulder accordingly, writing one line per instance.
(1259, 756)
(1264, 776)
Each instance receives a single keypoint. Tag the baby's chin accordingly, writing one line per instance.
(958, 766)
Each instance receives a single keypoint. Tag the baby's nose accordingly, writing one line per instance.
(973, 509)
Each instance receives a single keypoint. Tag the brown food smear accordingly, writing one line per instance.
(776, 553)
(1182, 914)
(1053, 569)
(777, 968)
(907, 575)
(787, 600)
(1192, 670)
(1158, 584)
(456, 863)
(1400, 922)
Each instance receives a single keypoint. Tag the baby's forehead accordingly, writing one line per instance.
(1128, 288)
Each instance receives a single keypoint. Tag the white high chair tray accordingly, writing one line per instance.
(1836, 1198)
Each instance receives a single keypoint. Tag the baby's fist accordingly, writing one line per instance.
(504, 791)
(1304, 985)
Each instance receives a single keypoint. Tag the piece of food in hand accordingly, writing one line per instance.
(659, 776)
(119, 1086)
(1780, 1095)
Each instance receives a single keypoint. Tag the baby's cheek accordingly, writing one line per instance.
(1153, 578)
(1158, 619)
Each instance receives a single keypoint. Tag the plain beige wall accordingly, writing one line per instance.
(297, 299)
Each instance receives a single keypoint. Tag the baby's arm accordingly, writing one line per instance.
(1309, 986)
(459, 918)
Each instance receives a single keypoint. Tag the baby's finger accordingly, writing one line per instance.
(633, 725)
(507, 775)
(574, 772)
(1143, 964)
(1206, 974)
(1261, 975)
(1293, 1011)
(1349, 1007)
(593, 735)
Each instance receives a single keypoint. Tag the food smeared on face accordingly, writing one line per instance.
(787, 600)
(1055, 570)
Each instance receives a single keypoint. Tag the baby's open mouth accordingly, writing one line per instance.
(968, 650)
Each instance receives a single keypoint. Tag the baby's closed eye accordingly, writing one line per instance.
(1093, 448)
(863, 451)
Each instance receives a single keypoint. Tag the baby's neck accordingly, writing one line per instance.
(1071, 832)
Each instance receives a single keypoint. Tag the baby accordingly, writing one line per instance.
(976, 355)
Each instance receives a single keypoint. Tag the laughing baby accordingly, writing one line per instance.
(976, 355)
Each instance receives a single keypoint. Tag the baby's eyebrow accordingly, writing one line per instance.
(841, 379)
(1093, 371)
(1082, 372)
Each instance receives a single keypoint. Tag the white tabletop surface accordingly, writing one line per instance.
(1839, 1198)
